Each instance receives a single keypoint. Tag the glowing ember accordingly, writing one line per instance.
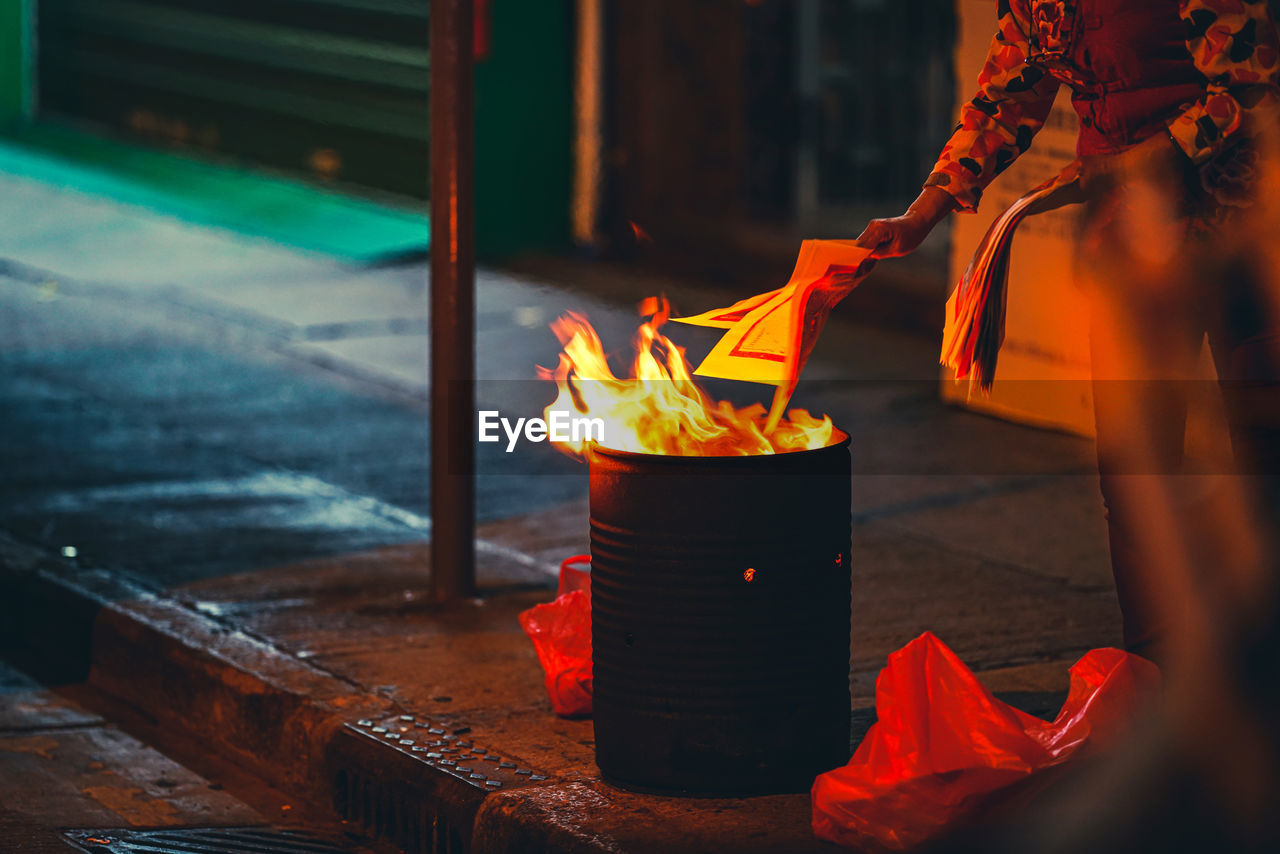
(659, 409)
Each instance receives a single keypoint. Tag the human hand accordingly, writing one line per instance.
(896, 236)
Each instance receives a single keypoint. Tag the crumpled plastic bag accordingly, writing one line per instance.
(943, 746)
(561, 635)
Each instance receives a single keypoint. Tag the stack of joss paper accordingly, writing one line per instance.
(974, 329)
(770, 336)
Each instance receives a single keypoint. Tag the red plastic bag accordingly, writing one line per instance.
(942, 744)
(574, 578)
(561, 635)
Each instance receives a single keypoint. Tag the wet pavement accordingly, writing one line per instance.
(155, 436)
(239, 431)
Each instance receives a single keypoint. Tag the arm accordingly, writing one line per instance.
(1235, 46)
(998, 123)
(995, 126)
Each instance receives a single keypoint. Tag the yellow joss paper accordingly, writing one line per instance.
(770, 336)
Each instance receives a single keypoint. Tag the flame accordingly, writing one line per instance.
(641, 235)
(660, 409)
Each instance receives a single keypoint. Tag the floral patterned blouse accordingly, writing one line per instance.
(1232, 43)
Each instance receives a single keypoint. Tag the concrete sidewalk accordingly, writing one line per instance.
(427, 726)
(214, 475)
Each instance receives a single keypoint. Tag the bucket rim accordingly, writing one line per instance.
(595, 449)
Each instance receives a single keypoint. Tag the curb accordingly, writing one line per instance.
(304, 730)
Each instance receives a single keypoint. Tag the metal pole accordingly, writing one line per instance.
(452, 302)
(589, 107)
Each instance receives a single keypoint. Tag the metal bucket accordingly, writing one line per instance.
(720, 592)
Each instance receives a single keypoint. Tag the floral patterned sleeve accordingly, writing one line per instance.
(997, 124)
(1233, 43)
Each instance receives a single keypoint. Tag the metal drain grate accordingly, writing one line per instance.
(418, 782)
(220, 840)
(446, 748)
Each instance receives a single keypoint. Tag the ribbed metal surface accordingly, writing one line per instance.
(418, 782)
(338, 87)
(720, 619)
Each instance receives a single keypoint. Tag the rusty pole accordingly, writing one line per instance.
(452, 301)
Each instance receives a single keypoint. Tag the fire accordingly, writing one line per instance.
(660, 409)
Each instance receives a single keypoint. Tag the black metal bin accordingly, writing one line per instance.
(720, 619)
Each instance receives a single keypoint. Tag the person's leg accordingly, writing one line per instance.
(1245, 339)
(1145, 338)
(1140, 413)
(1244, 335)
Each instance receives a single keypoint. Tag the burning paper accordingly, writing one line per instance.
(770, 336)
(660, 409)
